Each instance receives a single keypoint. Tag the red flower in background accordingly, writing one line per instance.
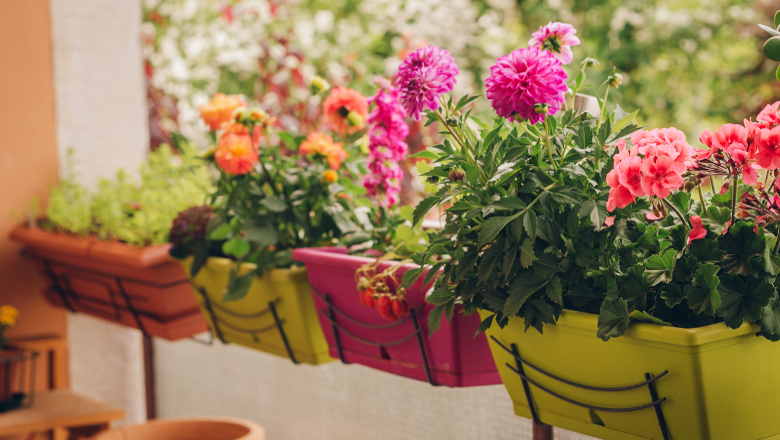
(345, 110)
(235, 154)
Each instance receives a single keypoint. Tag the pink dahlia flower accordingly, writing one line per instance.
(556, 38)
(425, 75)
(524, 78)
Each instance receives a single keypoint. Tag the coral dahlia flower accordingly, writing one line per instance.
(524, 78)
(235, 154)
(345, 110)
(321, 144)
(556, 38)
(220, 109)
(425, 75)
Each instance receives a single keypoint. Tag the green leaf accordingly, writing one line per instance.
(522, 287)
(742, 298)
(705, 251)
(434, 319)
(673, 294)
(489, 259)
(549, 232)
(624, 121)
(772, 48)
(527, 255)
(613, 319)
(777, 20)
(466, 264)
(199, 257)
(771, 262)
(717, 218)
(529, 222)
(509, 203)
(770, 320)
(554, 290)
(410, 276)
(509, 261)
(423, 207)
(638, 316)
(263, 236)
(660, 268)
(740, 244)
(484, 325)
(238, 286)
(704, 298)
(684, 269)
(546, 266)
(491, 227)
(274, 204)
(236, 246)
(221, 233)
(634, 287)
(424, 154)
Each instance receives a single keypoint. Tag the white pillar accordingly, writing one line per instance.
(101, 112)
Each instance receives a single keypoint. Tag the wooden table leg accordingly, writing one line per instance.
(543, 432)
(85, 431)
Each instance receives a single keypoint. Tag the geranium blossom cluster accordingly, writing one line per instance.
(236, 151)
(386, 145)
(652, 166)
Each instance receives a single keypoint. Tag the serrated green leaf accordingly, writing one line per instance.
(613, 319)
(489, 259)
(660, 268)
(554, 290)
(704, 297)
(465, 264)
(770, 320)
(546, 266)
(410, 276)
(742, 298)
(637, 316)
(527, 255)
(509, 203)
(740, 244)
(522, 287)
(673, 294)
(423, 207)
(434, 319)
(485, 324)
(706, 251)
(491, 227)
(529, 222)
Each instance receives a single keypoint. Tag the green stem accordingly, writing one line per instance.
(678, 213)
(549, 144)
(777, 245)
(712, 185)
(701, 196)
(463, 147)
(734, 191)
(766, 178)
(603, 108)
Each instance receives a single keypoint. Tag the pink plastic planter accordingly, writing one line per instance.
(358, 334)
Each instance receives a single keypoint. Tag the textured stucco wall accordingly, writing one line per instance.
(100, 104)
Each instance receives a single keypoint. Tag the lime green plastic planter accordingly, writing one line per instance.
(722, 384)
(276, 316)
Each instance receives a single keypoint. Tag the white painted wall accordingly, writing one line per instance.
(100, 103)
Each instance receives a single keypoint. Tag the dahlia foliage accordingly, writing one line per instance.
(550, 209)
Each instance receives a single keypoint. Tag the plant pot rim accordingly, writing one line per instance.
(222, 264)
(337, 255)
(641, 333)
(255, 430)
(92, 248)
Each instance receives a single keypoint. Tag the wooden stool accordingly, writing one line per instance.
(58, 411)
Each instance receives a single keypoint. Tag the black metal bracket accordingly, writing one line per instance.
(649, 382)
(337, 329)
(218, 324)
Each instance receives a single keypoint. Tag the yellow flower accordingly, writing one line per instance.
(8, 315)
(330, 176)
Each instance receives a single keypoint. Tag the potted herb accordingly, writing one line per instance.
(105, 254)
(367, 318)
(588, 230)
(277, 192)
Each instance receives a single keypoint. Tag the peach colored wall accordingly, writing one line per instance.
(28, 153)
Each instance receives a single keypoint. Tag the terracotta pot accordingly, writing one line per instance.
(452, 356)
(201, 428)
(136, 287)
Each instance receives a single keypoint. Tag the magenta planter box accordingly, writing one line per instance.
(358, 334)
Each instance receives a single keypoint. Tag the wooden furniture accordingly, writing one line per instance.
(52, 363)
(57, 411)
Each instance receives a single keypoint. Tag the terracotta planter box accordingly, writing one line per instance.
(135, 287)
(654, 382)
(358, 334)
(200, 428)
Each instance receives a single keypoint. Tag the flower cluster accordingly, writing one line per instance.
(524, 78)
(345, 110)
(322, 145)
(652, 166)
(8, 316)
(386, 145)
(424, 76)
(556, 38)
(220, 109)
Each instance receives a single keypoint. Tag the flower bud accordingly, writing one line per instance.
(251, 116)
(585, 116)
(541, 108)
(777, 173)
(208, 154)
(457, 175)
(319, 85)
(355, 120)
(589, 62)
(689, 186)
(362, 144)
(452, 122)
(330, 176)
(432, 179)
(615, 80)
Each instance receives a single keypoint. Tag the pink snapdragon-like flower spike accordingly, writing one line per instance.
(425, 75)
(770, 114)
(768, 148)
(526, 77)
(659, 176)
(698, 232)
(557, 38)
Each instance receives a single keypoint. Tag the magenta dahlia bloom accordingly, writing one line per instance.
(557, 38)
(425, 74)
(524, 78)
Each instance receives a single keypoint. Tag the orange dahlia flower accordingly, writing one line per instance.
(345, 110)
(330, 176)
(322, 145)
(220, 109)
(236, 128)
(235, 153)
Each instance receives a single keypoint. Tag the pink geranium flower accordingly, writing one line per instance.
(557, 38)
(768, 148)
(698, 232)
(425, 75)
(630, 175)
(730, 137)
(659, 176)
(619, 195)
(770, 114)
(524, 78)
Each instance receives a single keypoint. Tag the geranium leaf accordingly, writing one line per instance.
(633, 286)
(740, 244)
(742, 298)
(238, 286)
(637, 316)
(522, 287)
(274, 204)
(673, 294)
(717, 218)
(660, 268)
(705, 251)
(704, 298)
(771, 262)
(684, 269)
(770, 320)
(236, 246)
(613, 319)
